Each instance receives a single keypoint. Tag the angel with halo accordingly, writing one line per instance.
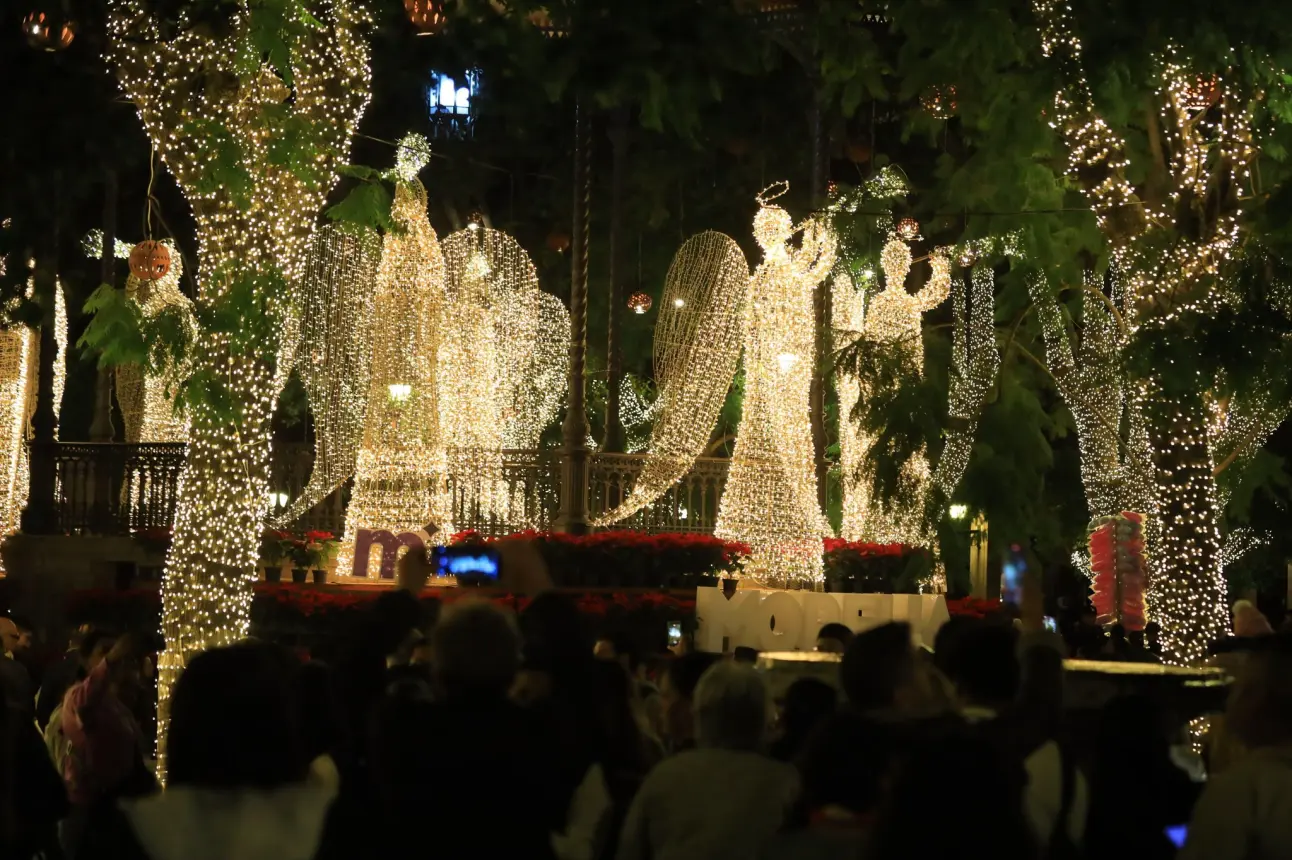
(712, 309)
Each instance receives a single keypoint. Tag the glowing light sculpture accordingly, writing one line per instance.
(770, 501)
(401, 473)
(334, 359)
(770, 497)
(194, 97)
(697, 347)
(893, 317)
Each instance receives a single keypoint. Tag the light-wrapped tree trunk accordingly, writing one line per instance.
(221, 126)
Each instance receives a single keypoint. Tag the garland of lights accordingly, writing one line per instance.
(1170, 269)
(334, 359)
(770, 500)
(401, 473)
(189, 91)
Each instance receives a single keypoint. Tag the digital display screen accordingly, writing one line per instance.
(468, 563)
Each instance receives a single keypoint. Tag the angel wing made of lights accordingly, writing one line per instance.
(697, 347)
(334, 357)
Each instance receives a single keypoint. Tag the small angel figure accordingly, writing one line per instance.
(894, 317)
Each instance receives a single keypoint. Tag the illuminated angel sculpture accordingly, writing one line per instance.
(893, 316)
(423, 363)
(711, 308)
(400, 478)
(499, 365)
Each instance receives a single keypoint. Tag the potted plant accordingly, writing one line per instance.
(323, 548)
(302, 557)
(272, 552)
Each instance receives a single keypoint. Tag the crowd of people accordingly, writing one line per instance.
(475, 732)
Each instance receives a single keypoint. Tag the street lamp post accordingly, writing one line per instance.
(573, 517)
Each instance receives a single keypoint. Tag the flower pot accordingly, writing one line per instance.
(273, 574)
(299, 575)
(320, 576)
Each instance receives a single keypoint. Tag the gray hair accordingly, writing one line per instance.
(730, 706)
(476, 646)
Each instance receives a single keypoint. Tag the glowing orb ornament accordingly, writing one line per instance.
(908, 229)
(426, 16)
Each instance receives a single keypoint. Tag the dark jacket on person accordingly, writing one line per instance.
(37, 799)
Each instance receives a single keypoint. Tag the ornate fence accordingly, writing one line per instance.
(113, 488)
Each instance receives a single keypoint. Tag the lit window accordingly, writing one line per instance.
(448, 102)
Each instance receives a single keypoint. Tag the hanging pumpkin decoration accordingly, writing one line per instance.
(149, 260)
(940, 102)
(831, 189)
(426, 16)
(639, 303)
(908, 229)
(558, 242)
(48, 30)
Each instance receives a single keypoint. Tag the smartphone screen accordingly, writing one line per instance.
(472, 565)
(1177, 833)
(1011, 576)
(674, 633)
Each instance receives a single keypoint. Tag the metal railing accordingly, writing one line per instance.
(115, 488)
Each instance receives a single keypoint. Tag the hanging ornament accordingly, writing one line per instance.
(426, 16)
(639, 303)
(149, 261)
(48, 30)
(558, 242)
(940, 102)
(967, 257)
(831, 189)
(1200, 93)
(908, 229)
(475, 220)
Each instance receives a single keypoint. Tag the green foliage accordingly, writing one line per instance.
(220, 151)
(366, 205)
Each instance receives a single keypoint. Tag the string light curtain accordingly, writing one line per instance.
(401, 473)
(770, 500)
(192, 92)
(334, 359)
(1173, 263)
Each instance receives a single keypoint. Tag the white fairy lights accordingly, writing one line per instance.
(198, 109)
